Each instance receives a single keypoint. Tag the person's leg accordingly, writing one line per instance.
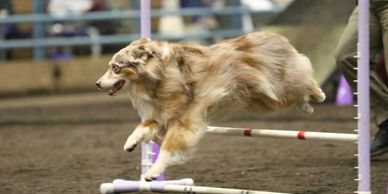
(379, 98)
(383, 14)
(347, 47)
(346, 61)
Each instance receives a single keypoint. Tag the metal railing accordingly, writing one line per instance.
(110, 39)
(38, 42)
(132, 14)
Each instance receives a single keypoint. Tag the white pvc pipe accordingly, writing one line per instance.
(302, 135)
(176, 186)
(125, 186)
(210, 190)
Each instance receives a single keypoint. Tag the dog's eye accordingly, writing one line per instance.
(116, 69)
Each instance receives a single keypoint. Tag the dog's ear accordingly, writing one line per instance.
(143, 52)
(130, 73)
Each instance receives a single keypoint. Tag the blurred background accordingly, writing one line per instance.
(62, 46)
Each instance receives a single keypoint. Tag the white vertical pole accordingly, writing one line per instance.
(363, 98)
(145, 23)
(149, 151)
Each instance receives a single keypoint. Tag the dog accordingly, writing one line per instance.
(177, 87)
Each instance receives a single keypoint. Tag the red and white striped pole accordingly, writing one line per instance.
(288, 134)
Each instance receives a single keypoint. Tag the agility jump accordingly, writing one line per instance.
(150, 151)
(186, 185)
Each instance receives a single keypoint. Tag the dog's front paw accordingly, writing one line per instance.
(130, 145)
(151, 175)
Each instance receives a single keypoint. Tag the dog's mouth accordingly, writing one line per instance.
(116, 87)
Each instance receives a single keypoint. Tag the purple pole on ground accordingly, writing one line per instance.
(363, 97)
(145, 31)
(344, 93)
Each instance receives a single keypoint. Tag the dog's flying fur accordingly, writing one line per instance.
(177, 87)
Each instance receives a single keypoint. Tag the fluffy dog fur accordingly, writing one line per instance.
(177, 87)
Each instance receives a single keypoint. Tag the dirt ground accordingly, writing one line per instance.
(72, 143)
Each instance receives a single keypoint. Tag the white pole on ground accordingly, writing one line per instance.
(210, 190)
(125, 186)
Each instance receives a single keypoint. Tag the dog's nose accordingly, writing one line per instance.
(98, 84)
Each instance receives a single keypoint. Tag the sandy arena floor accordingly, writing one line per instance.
(72, 143)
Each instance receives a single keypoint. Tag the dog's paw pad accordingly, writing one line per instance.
(149, 179)
(151, 175)
(130, 149)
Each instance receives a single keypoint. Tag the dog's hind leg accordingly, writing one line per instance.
(178, 145)
(316, 93)
(146, 131)
(312, 91)
(305, 107)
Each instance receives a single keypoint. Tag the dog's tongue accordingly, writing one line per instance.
(116, 87)
(112, 92)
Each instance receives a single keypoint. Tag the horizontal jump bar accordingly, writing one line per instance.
(174, 186)
(302, 135)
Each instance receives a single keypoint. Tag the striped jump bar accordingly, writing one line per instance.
(288, 134)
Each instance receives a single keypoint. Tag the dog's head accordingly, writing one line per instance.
(126, 66)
